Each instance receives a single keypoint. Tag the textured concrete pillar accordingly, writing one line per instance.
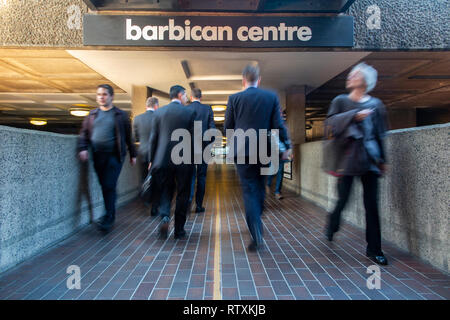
(295, 108)
(139, 95)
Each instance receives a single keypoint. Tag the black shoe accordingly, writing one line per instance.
(377, 258)
(106, 224)
(154, 213)
(329, 234)
(254, 246)
(180, 235)
(199, 210)
(164, 229)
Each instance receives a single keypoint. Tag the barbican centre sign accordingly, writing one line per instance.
(218, 31)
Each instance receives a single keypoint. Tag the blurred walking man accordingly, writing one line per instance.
(142, 128)
(107, 130)
(206, 116)
(359, 120)
(169, 174)
(254, 109)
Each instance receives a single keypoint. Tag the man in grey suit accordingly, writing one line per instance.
(142, 125)
(206, 116)
(172, 170)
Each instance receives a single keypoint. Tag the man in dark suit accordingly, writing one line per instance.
(254, 109)
(142, 127)
(172, 168)
(206, 116)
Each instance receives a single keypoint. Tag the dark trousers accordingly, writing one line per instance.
(176, 177)
(279, 177)
(144, 173)
(370, 190)
(252, 183)
(199, 174)
(108, 167)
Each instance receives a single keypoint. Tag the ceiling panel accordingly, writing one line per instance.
(397, 84)
(26, 86)
(219, 85)
(85, 85)
(47, 66)
(6, 73)
(391, 68)
(209, 67)
(437, 69)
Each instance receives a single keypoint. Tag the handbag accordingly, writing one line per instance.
(148, 189)
(332, 152)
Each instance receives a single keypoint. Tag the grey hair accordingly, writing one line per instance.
(369, 73)
(151, 102)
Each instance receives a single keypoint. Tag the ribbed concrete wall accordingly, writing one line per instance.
(36, 23)
(45, 193)
(414, 197)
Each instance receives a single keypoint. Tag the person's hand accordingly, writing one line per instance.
(83, 155)
(383, 168)
(361, 115)
(149, 166)
(287, 155)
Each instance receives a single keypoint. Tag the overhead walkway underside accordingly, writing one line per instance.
(213, 262)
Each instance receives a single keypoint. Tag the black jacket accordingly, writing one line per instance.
(142, 125)
(205, 114)
(255, 108)
(122, 130)
(165, 121)
(359, 146)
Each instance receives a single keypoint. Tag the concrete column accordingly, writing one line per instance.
(295, 108)
(139, 95)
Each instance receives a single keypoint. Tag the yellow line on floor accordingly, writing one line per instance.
(217, 295)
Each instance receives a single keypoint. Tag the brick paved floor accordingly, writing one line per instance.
(297, 262)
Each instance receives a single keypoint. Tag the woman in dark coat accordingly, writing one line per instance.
(357, 122)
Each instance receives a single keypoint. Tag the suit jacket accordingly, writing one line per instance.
(255, 108)
(142, 127)
(205, 114)
(165, 121)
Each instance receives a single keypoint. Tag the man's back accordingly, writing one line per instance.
(251, 108)
(166, 120)
(257, 109)
(204, 114)
(142, 128)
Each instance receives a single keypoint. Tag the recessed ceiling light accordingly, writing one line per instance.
(226, 77)
(79, 112)
(219, 118)
(17, 101)
(38, 122)
(211, 92)
(219, 107)
(65, 101)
